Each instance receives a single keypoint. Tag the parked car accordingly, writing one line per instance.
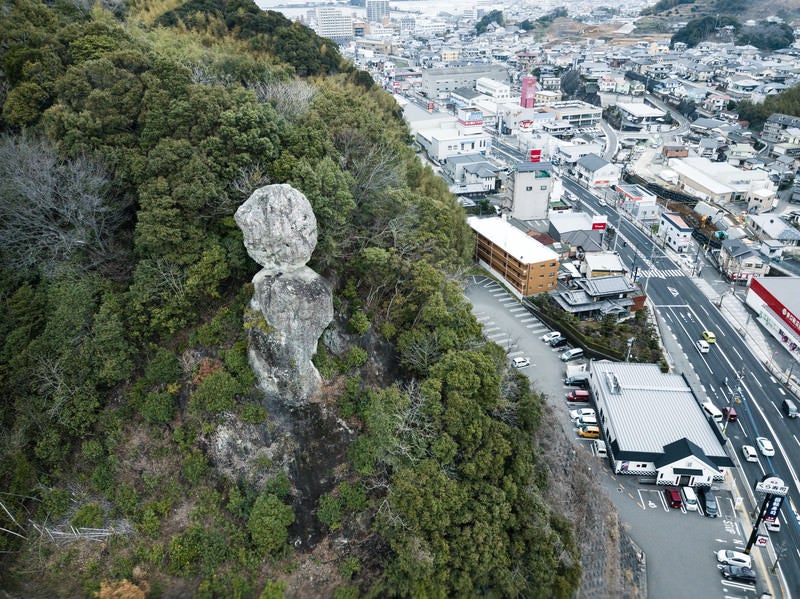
(520, 362)
(749, 452)
(709, 336)
(733, 558)
(673, 497)
(547, 337)
(571, 354)
(709, 502)
(765, 446)
(589, 432)
(580, 412)
(739, 573)
(578, 395)
(558, 341)
(600, 448)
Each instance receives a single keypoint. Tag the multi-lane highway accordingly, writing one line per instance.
(729, 374)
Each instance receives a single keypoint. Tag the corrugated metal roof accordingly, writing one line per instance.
(647, 410)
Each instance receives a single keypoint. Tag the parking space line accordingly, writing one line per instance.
(520, 309)
(529, 319)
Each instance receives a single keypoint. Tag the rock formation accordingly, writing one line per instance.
(291, 305)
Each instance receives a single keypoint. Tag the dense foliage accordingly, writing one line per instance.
(663, 5)
(125, 150)
(787, 102)
(704, 29)
(763, 35)
(494, 16)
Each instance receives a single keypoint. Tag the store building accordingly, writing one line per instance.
(776, 302)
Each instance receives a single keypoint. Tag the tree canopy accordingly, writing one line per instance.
(126, 147)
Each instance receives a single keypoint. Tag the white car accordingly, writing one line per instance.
(548, 337)
(579, 413)
(520, 362)
(602, 202)
(733, 558)
(765, 446)
(749, 452)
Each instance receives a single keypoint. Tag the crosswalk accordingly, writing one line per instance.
(661, 273)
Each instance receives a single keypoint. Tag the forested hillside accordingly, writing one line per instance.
(130, 135)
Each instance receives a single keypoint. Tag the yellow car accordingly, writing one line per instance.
(709, 337)
(589, 432)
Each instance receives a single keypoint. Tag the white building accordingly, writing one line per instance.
(498, 90)
(377, 10)
(674, 231)
(331, 23)
(596, 171)
(530, 185)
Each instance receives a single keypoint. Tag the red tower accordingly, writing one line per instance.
(528, 98)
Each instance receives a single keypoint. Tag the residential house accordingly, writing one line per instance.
(578, 229)
(772, 226)
(776, 125)
(638, 202)
(739, 261)
(596, 171)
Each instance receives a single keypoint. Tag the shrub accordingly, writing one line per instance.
(268, 524)
(253, 413)
(194, 467)
(359, 323)
(354, 497)
(215, 393)
(329, 511)
(355, 358)
(89, 515)
(158, 408)
(349, 567)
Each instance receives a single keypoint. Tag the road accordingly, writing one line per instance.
(728, 375)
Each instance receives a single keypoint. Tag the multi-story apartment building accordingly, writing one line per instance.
(334, 25)
(377, 10)
(525, 264)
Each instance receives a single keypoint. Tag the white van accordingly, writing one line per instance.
(711, 410)
(587, 420)
(572, 354)
(689, 498)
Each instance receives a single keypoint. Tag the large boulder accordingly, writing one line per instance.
(279, 227)
(291, 305)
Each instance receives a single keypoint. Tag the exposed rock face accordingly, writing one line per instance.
(292, 304)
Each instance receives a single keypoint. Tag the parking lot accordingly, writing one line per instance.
(680, 545)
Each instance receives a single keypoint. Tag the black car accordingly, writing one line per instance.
(740, 573)
(709, 502)
(558, 342)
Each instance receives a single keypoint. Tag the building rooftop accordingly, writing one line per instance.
(676, 220)
(640, 109)
(512, 240)
(647, 410)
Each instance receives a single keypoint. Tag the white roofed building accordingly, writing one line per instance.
(508, 253)
(654, 425)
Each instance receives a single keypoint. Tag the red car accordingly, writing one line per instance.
(578, 395)
(673, 497)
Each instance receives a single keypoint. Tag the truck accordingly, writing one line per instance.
(577, 375)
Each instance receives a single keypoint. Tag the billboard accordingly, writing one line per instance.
(535, 156)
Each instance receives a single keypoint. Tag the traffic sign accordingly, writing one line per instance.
(762, 540)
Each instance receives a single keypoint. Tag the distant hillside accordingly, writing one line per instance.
(663, 15)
